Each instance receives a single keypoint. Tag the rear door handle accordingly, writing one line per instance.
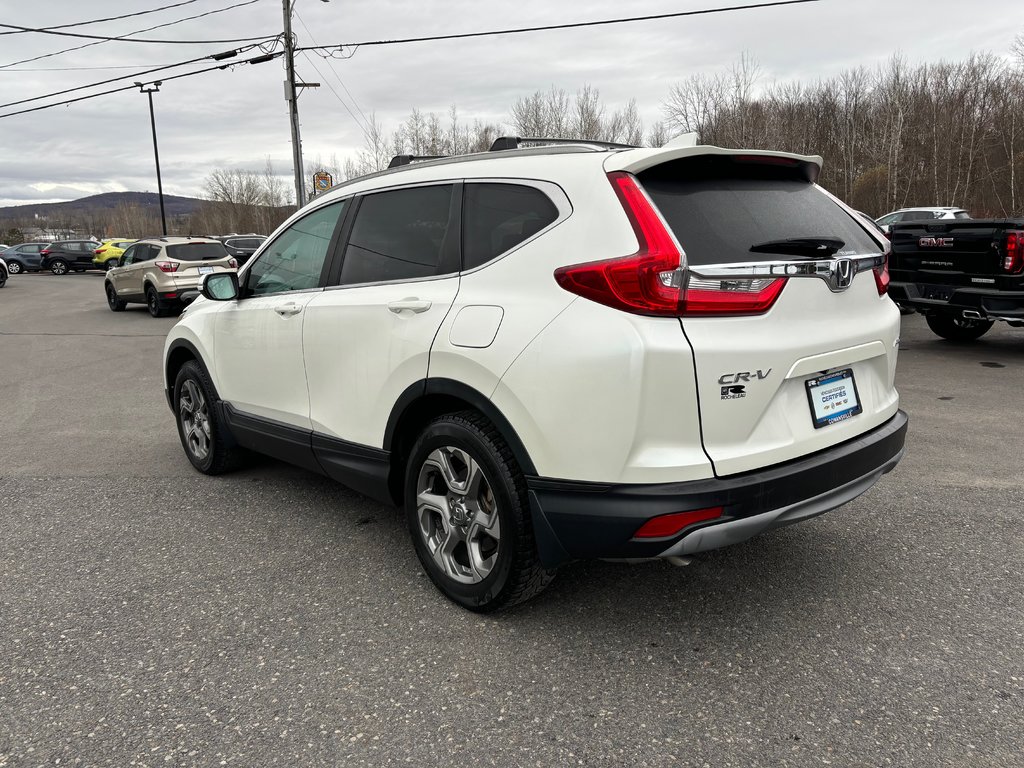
(285, 310)
(412, 305)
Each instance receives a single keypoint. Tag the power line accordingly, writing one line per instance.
(215, 56)
(575, 25)
(336, 77)
(337, 95)
(127, 36)
(254, 60)
(109, 18)
(68, 69)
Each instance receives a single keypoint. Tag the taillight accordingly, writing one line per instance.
(233, 263)
(663, 526)
(651, 281)
(882, 273)
(44, 253)
(98, 251)
(646, 283)
(167, 266)
(1013, 261)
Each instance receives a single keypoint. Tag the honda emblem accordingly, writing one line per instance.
(843, 271)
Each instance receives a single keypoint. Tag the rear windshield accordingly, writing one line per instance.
(197, 251)
(718, 210)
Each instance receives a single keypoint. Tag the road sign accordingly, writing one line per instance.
(322, 181)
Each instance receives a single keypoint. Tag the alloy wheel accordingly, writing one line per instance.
(59, 268)
(458, 515)
(14, 267)
(195, 419)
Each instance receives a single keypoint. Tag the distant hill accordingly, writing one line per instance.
(107, 201)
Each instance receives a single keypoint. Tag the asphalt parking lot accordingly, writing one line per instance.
(150, 615)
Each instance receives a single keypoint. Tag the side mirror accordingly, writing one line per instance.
(220, 286)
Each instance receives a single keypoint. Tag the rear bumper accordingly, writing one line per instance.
(988, 302)
(590, 520)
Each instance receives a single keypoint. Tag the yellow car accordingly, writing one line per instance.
(108, 255)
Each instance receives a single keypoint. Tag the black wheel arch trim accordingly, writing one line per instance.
(187, 345)
(475, 398)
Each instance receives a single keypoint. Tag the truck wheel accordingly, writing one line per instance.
(467, 510)
(956, 327)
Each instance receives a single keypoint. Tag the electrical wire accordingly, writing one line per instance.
(337, 77)
(216, 56)
(327, 82)
(127, 36)
(269, 56)
(254, 60)
(97, 21)
(575, 25)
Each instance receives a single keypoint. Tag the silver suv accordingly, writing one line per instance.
(157, 271)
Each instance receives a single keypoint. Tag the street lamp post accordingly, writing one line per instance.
(149, 90)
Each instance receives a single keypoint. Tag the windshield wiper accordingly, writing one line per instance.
(801, 246)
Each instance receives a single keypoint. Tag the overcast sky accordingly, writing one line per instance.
(237, 118)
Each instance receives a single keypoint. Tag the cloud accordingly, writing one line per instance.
(238, 117)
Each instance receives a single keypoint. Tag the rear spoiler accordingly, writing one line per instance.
(638, 160)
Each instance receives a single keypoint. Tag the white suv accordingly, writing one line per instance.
(558, 352)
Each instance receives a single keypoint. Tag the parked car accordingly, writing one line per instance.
(156, 272)
(3, 273)
(24, 258)
(108, 254)
(920, 214)
(962, 275)
(63, 256)
(242, 246)
(560, 352)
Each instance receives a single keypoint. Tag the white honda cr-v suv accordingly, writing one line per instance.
(558, 352)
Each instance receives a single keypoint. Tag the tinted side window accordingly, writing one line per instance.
(295, 260)
(498, 217)
(398, 235)
(129, 255)
(146, 252)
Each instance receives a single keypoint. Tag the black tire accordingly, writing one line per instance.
(59, 267)
(156, 309)
(223, 454)
(3, 278)
(515, 573)
(14, 267)
(115, 304)
(956, 327)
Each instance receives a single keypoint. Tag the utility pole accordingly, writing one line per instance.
(149, 91)
(291, 95)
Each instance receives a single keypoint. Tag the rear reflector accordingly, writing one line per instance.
(669, 525)
(651, 281)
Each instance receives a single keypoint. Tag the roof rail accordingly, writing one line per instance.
(398, 160)
(514, 142)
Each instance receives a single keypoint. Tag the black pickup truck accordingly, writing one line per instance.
(961, 274)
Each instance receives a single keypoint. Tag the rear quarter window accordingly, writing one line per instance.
(498, 217)
(718, 210)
